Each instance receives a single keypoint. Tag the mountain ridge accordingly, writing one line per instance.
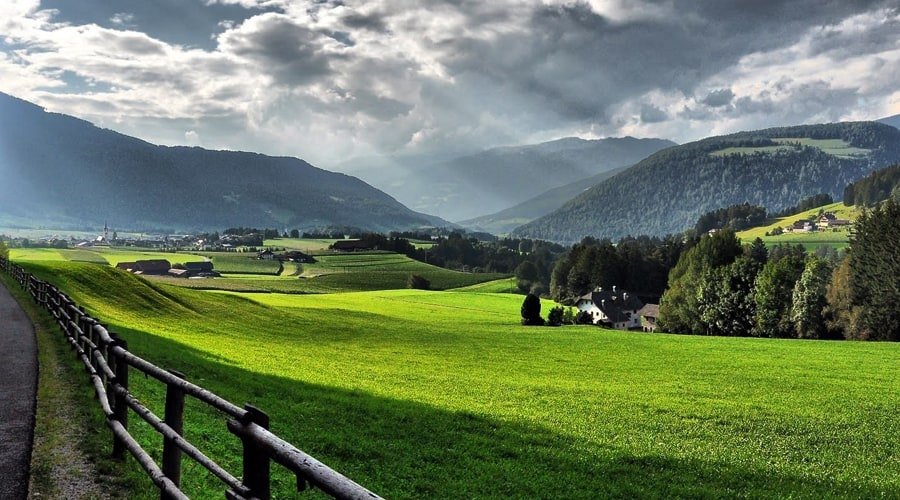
(491, 180)
(666, 192)
(64, 169)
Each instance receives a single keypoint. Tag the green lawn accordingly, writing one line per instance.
(433, 394)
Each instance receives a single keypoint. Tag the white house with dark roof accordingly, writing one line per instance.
(612, 308)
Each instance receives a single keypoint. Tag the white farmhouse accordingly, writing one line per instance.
(612, 308)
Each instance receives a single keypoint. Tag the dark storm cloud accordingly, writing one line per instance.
(372, 22)
(652, 114)
(718, 98)
(580, 63)
(293, 53)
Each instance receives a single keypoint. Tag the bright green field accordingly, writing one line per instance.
(242, 263)
(835, 147)
(503, 285)
(302, 244)
(838, 239)
(100, 255)
(434, 394)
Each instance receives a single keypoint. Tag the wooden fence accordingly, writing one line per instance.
(107, 361)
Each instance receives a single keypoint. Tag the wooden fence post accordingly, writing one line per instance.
(174, 418)
(256, 461)
(120, 409)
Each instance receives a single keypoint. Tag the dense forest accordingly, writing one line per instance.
(737, 217)
(875, 187)
(719, 287)
(639, 265)
(668, 191)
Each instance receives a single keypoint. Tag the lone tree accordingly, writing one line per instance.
(531, 311)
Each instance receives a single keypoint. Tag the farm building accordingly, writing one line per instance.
(350, 245)
(197, 270)
(265, 255)
(612, 308)
(157, 267)
(648, 314)
(828, 219)
(295, 256)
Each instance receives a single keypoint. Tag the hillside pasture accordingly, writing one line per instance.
(838, 239)
(242, 263)
(301, 244)
(834, 147)
(421, 394)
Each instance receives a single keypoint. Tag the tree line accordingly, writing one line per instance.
(719, 287)
(875, 187)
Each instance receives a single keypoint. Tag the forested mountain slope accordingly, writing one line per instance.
(506, 220)
(495, 179)
(774, 168)
(63, 171)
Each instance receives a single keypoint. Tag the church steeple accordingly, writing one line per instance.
(106, 232)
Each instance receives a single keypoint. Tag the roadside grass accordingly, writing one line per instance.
(71, 455)
(424, 394)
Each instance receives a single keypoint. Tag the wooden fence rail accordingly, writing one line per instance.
(107, 361)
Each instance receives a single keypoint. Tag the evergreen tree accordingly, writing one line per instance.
(531, 311)
(808, 301)
(875, 272)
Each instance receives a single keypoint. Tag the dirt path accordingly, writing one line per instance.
(18, 383)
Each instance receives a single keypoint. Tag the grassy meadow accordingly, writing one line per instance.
(838, 238)
(420, 394)
(834, 147)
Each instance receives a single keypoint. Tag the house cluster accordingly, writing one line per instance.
(162, 267)
(827, 220)
(618, 309)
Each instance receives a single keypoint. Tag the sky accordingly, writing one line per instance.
(331, 80)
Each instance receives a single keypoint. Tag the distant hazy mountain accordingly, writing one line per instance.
(893, 121)
(492, 180)
(56, 169)
(506, 220)
(773, 168)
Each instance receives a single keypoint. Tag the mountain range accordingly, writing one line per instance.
(64, 171)
(495, 179)
(774, 168)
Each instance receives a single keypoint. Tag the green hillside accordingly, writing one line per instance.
(415, 394)
(834, 237)
(773, 168)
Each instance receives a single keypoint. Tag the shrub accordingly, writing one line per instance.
(555, 317)
(418, 282)
(584, 318)
(569, 316)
